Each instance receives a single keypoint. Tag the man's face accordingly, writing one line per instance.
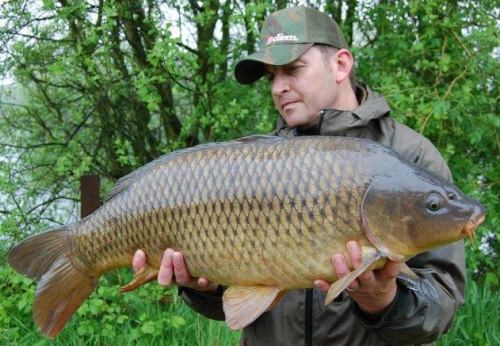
(301, 89)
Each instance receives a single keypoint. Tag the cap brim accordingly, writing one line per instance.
(252, 68)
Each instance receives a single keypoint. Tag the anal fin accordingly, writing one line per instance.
(244, 304)
(145, 275)
(276, 300)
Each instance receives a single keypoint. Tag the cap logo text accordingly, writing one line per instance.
(281, 37)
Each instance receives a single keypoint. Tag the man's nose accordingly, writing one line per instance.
(280, 84)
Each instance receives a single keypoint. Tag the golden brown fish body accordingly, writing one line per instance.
(252, 214)
(258, 213)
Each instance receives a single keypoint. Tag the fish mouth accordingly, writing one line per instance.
(470, 228)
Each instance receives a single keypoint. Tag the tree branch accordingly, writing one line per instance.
(189, 49)
(33, 146)
(47, 202)
(39, 38)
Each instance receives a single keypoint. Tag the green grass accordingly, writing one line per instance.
(477, 322)
(150, 315)
(153, 315)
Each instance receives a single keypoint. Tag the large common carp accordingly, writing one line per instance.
(260, 216)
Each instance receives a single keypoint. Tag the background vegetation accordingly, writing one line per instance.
(104, 86)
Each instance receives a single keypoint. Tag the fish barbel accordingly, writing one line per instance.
(260, 216)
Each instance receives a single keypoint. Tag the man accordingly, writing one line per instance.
(307, 61)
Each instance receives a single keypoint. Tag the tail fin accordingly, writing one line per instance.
(61, 288)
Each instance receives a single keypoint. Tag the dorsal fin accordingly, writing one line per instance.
(124, 183)
(257, 138)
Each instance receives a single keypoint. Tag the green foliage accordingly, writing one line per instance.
(16, 294)
(442, 80)
(477, 321)
(153, 315)
(103, 87)
(150, 315)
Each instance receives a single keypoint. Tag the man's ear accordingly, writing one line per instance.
(345, 62)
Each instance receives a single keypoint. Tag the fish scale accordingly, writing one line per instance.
(259, 216)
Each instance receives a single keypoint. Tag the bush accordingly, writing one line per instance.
(149, 315)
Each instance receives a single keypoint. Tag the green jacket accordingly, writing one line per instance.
(421, 311)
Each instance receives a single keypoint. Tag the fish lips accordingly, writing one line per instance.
(477, 218)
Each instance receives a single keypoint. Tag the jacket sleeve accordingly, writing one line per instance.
(425, 308)
(209, 305)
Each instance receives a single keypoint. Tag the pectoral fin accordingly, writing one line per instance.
(338, 286)
(146, 274)
(408, 272)
(243, 304)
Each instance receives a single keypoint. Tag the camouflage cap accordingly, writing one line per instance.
(285, 36)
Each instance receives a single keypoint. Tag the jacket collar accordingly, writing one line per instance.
(337, 122)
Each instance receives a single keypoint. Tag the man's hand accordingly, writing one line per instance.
(374, 290)
(173, 271)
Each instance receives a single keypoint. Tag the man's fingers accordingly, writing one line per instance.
(357, 260)
(322, 285)
(166, 270)
(390, 270)
(340, 265)
(139, 260)
(341, 269)
(182, 276)
(355, 253)
(202, 282)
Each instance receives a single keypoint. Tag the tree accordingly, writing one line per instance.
(110, 85)
(435, 62)
(110, 88)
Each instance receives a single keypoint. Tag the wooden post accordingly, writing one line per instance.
(89, 192)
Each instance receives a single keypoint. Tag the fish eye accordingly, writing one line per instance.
(433, 202)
